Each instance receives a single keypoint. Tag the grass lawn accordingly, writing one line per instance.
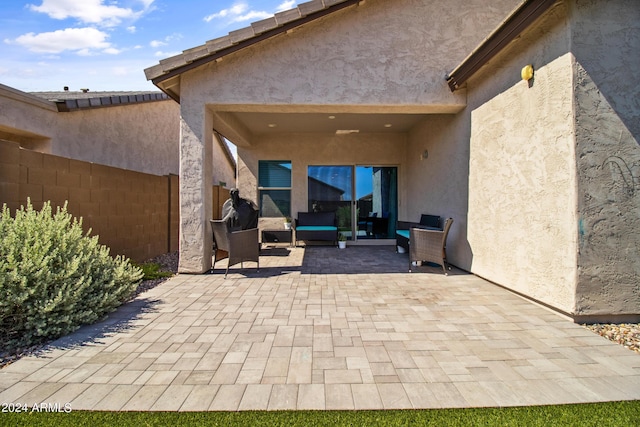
(598, 414)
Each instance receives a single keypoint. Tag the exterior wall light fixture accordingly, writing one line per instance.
(424, 155)
(527, 72)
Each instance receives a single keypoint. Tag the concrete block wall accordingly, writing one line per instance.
(133, 213)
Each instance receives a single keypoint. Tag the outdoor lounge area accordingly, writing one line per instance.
(323, 328)
(484, 124)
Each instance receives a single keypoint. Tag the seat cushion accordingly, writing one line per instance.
(316, 228)
(316, 218)
(403, 233)
(430, 220)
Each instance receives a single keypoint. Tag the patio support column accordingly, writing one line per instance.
(196, 159)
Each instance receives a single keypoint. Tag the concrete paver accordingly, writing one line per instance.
(323, 328)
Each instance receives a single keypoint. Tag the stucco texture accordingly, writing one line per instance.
(522, 192)
(437, 164)
(376, 57)
(553, 167)
(522, 173)
(196, 169)
(142, 137)
(606, 46)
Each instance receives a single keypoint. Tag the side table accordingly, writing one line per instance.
(277, 236)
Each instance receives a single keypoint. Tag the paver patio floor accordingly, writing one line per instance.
(323, 328)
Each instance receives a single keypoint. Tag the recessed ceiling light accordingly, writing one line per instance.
(388, 125)
(332, 117)
(272, 125)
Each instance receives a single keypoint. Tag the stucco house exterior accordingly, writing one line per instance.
(129, 130)
(539, 175)
(112, 157)
(138, 131)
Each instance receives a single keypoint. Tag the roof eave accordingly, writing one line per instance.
(196, 57)
(75, 104)
(518, 21)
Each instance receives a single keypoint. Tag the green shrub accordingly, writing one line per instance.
(54, 278)
(152, 271)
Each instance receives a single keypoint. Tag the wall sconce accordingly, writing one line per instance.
(527, 72)
(424, 155)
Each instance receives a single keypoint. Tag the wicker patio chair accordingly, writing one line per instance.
(429, 245)
(240, 245)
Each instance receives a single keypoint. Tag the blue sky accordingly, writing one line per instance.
(106, 44)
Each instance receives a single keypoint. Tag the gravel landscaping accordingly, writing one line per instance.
(625, 334)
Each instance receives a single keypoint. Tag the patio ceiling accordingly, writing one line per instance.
(242, 123)
(260, 123)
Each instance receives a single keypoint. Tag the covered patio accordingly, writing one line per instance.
(327, 329)
(535, 171)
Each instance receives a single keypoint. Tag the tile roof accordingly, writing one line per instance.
(71, 100)
(235, 40)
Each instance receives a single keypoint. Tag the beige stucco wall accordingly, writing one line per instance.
(606, 50)
(196, 168)
(437, 181)
(142, 137)
(522, 175)
(26, 119)
(554, 164)
(381, 56)
(522, 189)
(223, 172)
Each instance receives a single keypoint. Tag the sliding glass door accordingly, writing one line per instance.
(364, 198)
(376, 202)
(330, 189)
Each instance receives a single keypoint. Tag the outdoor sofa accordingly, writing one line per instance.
(316, 226)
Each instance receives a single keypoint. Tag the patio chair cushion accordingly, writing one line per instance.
(427, 222)
(403, 233)
(316, 219)
(430, 221)
(316, 228)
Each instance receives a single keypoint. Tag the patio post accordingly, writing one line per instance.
(196, 160)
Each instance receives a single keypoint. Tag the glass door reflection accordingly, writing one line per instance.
(376, 202)
(364, 198)
(330, 189)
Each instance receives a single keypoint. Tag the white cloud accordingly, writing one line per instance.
(286, 5)
(235, 10)
(89, 11)
(96, 74)
(161, 54)
(81, 40)
(168, 39)
(132, 29)
(240, 12)
(112, 51)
